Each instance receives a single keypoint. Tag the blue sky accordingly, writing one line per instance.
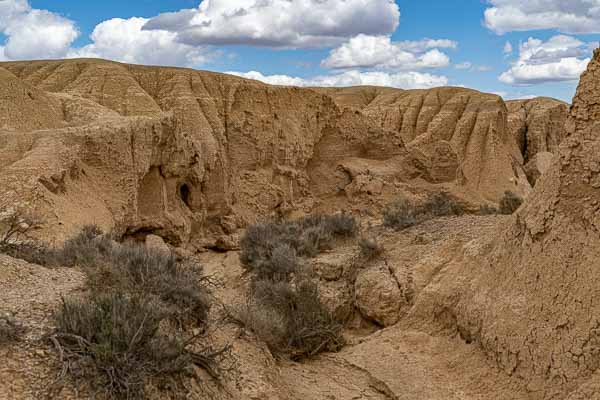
(407, 44)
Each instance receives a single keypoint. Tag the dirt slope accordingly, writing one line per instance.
(530, 297)
(193, 155)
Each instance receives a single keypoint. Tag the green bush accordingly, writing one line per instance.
(510, 203)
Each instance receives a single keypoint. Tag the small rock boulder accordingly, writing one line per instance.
(378, 296)
(156, 243)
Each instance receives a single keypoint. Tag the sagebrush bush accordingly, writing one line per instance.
(404, 213)
(290, 318)
(117, 341)
(510, 203)
(305, 237)
(89, 248)
(283, 306)
(10, 329)
(487, 210)
(132, 323)
(442, 205)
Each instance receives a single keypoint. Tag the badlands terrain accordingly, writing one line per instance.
(470, 306)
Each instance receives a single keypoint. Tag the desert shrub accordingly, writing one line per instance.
(89, 248)
(132, 268)
(16, 239)
(287, 240)
(402, 214)
(442, 204)
(131, 325)
(487, 210)
(283, 307)
(118, 343)
(370, 248)
(290, 318)
(10, 329)
(341, 224)
(510, 202)
(315, 239)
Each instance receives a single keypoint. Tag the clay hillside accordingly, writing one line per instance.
(169, 233)
(176, 152)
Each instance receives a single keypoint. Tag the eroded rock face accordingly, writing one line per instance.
(182, 153)
(453, 134)
(538, 125)
(538, 165)
(533, 303)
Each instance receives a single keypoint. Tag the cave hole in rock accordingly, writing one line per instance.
(185, 194)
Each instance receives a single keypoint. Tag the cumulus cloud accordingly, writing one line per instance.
(402, 80)
(364, 51)
(569, 16)
(124, 40)
(279, 23)
(561, 58)
(508, 49)
(34, 33)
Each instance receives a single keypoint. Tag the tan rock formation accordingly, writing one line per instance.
(193, 156)
(538, 126)
(530, 297)
(452, 134)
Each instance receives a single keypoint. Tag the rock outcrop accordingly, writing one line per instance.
(452, 134)
(192, 156)
(538, 126)
(530, 297)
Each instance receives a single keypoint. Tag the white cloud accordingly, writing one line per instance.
(561, 58)
(33, 33)
(402, 80)
(124, 40)
(473, 68)
(508, 49)
(569, 16)
(364, 51)
(279, 23)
